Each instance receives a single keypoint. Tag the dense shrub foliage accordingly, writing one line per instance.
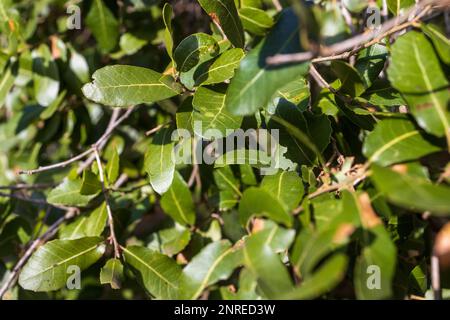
(224, 149)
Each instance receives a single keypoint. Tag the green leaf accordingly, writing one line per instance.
(381, 93)
(225, 14)
(396, 140)
(278, 238)
(90, 184)
(184, 115)
(45, 76)
(370, 63)
(103, 25)
(261, 202)
(295, 91)
(323, 280)
(112, 167)
(286, 186)
(209, 111)
(398, 6)
(355, 5)
(256, 82)
(6, 83)
(352, 81)
(265, 264)
(413, 193)
(228, 186)
(195, 49)
(49, 267)
(222, 68)
(170, 241)
(68, 194)
(374, 269)
(255, 20)
(215, 262)
(440, 41)
(158, 273)
(159, 161)
(112, 273)
(124, 86)
(167, 18)
(415, 71)
(336, 219)
(91, 225)
(177, 202)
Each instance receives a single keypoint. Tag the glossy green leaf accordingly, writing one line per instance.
(261, 202)
(440, 41)
(224, 12)
(113, 166)
(90, 225)
(6, 83)
(159, 161)
(255, 81)
(50, 266)
(415, 71)
(90, 184)
(265, 264)
(286, 186)
(124, 86)
(222, 68)
(209, 111)
(374, 269)
(177, 201)
(167, 17)
(255, 20)
(396, 140)
(370, 63)
(158, 273)
(68, 194)
(398, 6)
(195, 49)
(170, 241)
(228, 186)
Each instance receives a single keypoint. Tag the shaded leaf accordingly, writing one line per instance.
(103, 25)
(112, 273)
(215, 262)
(414, 193)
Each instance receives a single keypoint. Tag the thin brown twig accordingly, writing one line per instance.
(99, 145)
(31, 200)
(22, 186)
(157, 128)
(108, 206)
(70, 212)
(349, 47)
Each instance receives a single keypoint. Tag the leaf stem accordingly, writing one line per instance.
(108, 206)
